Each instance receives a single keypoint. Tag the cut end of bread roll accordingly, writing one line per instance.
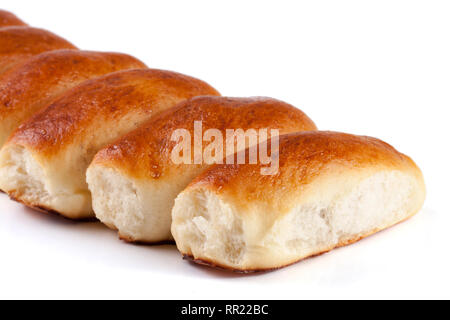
(24, 178)
(209, 230)
(269, 223)
(122, 204)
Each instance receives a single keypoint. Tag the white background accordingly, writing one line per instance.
(379, 68)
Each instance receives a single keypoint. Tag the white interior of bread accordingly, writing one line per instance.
(208, 228)
(22, 175)
(114, 199)
(138, 209)
(204, 226)
(24, 178)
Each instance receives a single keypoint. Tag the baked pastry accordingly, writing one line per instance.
(36, 83)
(44, 162)
(135, 181)
(332, 189)
(9, 19)
(17, 44)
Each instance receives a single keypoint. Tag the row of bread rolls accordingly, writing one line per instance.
(88, 134)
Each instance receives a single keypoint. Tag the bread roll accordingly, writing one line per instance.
(43, 164)
(9, 19)
(134, 181)
(35, 84)
(332, 189)
(17, 44)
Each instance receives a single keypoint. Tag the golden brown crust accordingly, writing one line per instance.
(130, 240)
(215, 265)
(9, 19)
(145, 152)
(36, 83)
(303, 156)
(17, 44)
(107, 99)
